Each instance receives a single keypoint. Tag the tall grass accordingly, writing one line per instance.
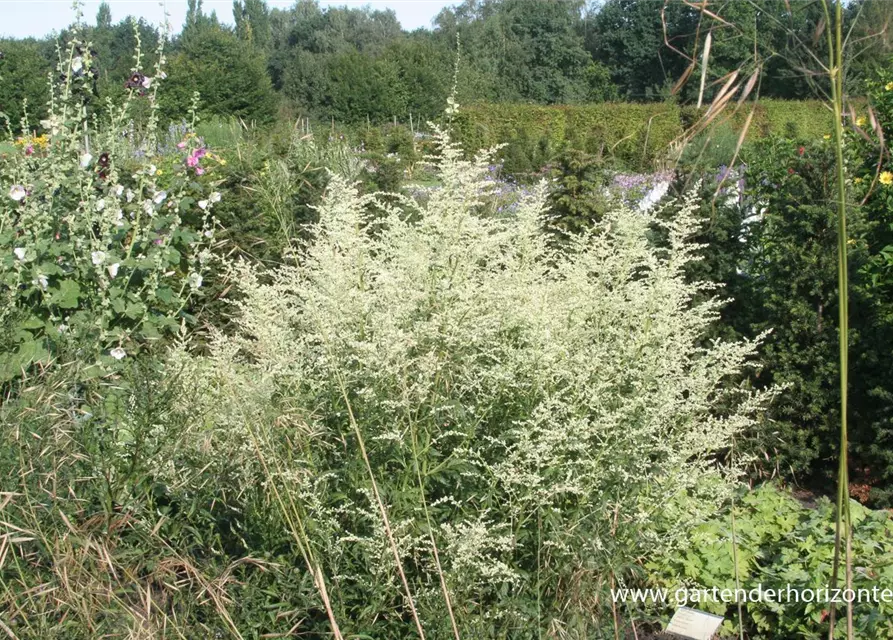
(843, 535)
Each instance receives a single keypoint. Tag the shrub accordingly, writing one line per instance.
(439, 386)
(230, 75)
(23, 74)
(790, 285)
(578, 196)
(772, 246)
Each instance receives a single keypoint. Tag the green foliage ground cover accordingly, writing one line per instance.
(782, 542)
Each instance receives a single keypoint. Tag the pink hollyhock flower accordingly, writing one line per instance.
(181, 145)
(191, 161)
(199, 171)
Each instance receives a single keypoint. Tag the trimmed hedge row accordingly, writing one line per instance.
(634, 134)
(800, 120)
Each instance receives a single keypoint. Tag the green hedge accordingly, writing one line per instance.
(634, 134)
(802, 120)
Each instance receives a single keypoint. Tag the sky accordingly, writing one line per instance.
(23, 18)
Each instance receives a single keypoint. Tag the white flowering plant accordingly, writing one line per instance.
(104, 236)
(435, 391)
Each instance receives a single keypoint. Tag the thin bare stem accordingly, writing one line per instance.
(843, 529)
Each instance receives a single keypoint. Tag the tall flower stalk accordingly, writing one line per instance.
(843, 535)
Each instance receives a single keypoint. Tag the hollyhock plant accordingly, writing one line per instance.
(91, 210)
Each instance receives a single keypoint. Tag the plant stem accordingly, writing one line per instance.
(844, 522)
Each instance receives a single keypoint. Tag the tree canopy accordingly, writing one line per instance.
(358, 64)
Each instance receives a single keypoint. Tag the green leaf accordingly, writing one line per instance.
(32, 322)
(173, 256)
(66, 296)
(165, 294)
(135, 310)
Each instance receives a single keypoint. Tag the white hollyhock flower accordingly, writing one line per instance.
(86, 159)
(194, 280)
(98, 257)
(151, 170)
(20, 252)
(117, 353)
(41, 281)
(159, 197)
(113, 269)
(119, 190)
(149, 208)
(100, 205)
(202, 204)
(18, 192)
(129, 195)
(77, 64)
(147, 82)
(215, 197)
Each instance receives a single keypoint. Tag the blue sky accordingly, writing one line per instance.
(22, 18)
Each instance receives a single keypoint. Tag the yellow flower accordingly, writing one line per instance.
(851, 241)
(886, 177)
(222, 161)
(827, 136)
(159, 172)
(857, 180)
(860, 121)
(889, 86)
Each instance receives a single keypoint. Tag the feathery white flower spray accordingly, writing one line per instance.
(542, 419)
